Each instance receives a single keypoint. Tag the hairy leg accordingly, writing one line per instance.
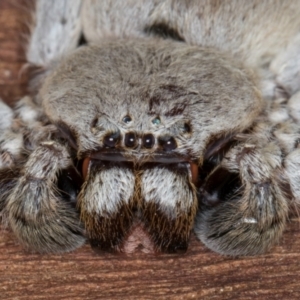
(42, 216)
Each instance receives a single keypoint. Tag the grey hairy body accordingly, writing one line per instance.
(136, 130)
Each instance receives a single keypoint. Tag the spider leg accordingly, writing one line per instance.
(38, 212)
(244, 201)
(286, 66)
(292, 167)
(11, 142)
(56, 30)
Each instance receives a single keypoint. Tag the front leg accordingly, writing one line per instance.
(43, 216)
(244, 201)
(55, 32)
(11, 142)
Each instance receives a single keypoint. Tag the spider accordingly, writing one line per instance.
(173, 116)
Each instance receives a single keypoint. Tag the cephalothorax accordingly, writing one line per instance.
(136, 140)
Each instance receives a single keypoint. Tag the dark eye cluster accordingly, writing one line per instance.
(127, 119)
(147, 140)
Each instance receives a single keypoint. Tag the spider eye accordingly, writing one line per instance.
(127, 119)
(186, 128)
(156, 121)
(94, 122)
(148, 140)
(130, 139)
(111, 139)
(168, 143)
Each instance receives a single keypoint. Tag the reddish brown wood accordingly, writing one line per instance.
(199, 274)
(14, 27)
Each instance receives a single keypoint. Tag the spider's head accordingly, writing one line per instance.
(140, 137)
(139, 113)
(148, 100)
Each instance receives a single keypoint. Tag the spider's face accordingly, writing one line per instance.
(140, 114)
(149, 105)
(137, 117)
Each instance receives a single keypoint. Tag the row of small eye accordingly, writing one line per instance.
(168, 143)
(156, 121)
(127, 119)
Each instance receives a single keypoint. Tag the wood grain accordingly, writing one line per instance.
(14, 19)
(199, 274)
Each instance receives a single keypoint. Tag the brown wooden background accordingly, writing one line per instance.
(199, 274)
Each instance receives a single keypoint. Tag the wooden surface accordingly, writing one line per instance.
(199, 274)
(14, 20)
